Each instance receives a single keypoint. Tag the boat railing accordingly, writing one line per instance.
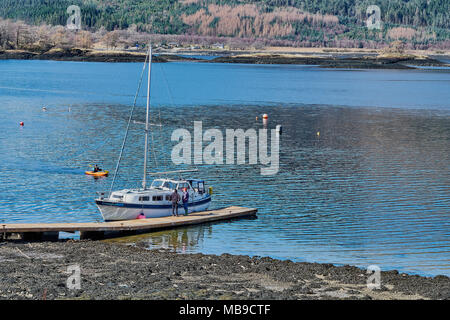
(170, 172)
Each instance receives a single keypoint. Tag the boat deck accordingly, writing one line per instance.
(98, 230)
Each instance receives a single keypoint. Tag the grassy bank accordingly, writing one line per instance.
(77, 54)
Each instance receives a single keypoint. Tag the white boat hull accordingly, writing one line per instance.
(121, 211)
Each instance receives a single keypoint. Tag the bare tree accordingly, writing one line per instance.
(83, 39)
(111, 39)
(8, 34)
(60, 38)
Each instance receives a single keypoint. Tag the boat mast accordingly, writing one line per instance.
(144, 180)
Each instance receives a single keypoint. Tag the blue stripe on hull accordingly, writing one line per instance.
(147, 206)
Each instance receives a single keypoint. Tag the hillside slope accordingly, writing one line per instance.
(335, 23)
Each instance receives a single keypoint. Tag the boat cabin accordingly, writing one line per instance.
(169, 184)
(160, 191)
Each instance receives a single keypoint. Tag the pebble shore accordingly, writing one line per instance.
(41, 270)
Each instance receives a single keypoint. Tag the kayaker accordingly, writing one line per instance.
(185, 201)
(175, 197)
(96, 168)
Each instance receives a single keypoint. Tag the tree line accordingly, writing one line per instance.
(328, 23)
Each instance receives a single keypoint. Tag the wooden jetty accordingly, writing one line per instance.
(99, 230)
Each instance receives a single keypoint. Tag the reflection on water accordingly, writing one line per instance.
(372, 188)
(181, 240)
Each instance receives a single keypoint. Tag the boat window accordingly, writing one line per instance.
(144, 198)
(168, 197)
(157, 198)
(194, 184)
(117, 196)
(183, 185)
(201, 187)
(169, 185)
(157, 183)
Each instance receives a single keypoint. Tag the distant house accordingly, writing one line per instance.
(218, 45)
(173, 44)
(195, 47)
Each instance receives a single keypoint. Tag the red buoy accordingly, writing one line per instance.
(21, 123)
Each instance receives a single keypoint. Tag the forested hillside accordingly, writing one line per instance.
(336, 23)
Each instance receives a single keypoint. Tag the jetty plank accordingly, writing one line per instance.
(131, 225)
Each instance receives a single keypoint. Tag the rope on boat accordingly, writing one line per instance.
(128, 125)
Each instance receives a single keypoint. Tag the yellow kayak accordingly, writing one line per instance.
(98, 173)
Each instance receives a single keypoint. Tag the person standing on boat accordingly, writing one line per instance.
(185, 201)
(175, 197)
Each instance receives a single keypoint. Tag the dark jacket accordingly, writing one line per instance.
(186, 196)
(175, 197)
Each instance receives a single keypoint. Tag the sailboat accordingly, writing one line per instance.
(154, 200)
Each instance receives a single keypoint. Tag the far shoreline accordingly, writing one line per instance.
(343, 58)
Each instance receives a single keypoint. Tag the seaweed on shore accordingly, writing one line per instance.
(364, 62)
(76, 54)
(116, 271)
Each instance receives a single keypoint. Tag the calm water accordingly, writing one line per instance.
(373, 188)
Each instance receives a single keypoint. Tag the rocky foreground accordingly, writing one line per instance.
(116, 271)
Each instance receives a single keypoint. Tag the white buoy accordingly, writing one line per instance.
(265, 119)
